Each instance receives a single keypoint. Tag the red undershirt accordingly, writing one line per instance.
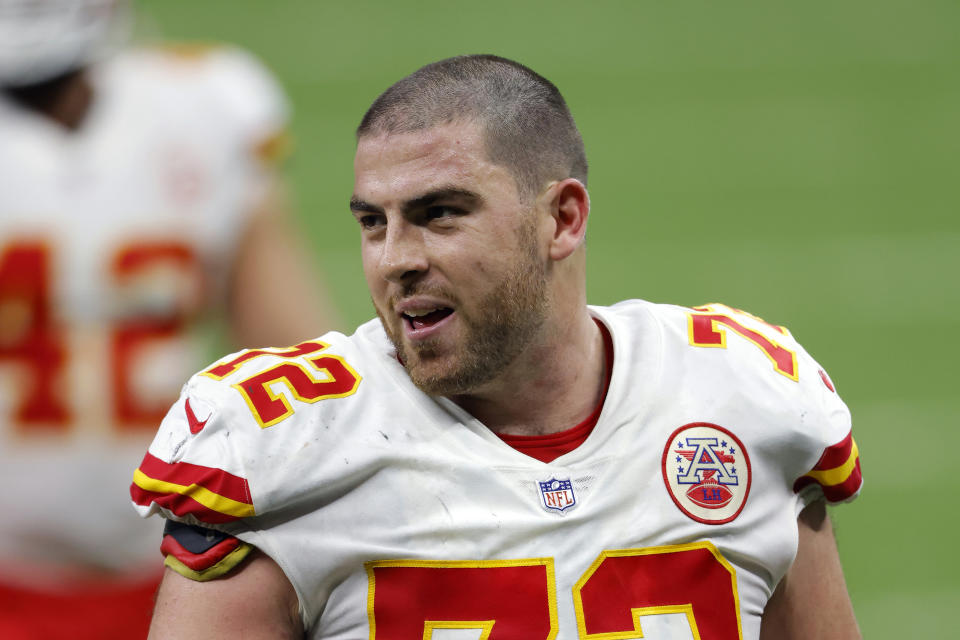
(550, 447)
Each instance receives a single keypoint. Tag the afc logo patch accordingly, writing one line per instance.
(557, 495)
(707, 472)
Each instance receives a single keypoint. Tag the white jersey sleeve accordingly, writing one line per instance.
(819, 455)
(835, 474)
(217, 460)
(193, 472)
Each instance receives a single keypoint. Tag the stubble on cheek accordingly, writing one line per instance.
(492, 332)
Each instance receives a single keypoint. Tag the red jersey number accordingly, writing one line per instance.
(708, 327)
(29, 337)
(328, 376)
(652, 593)
(33, 339)
(673, 591)
(498, 599)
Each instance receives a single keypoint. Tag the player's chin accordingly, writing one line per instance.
(435, 378)
(429, 359)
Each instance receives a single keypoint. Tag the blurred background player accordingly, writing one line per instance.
(138, 202)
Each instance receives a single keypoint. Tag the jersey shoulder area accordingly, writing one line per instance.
(727, 361)
(224, 83)
(728, 340)
(259, 429)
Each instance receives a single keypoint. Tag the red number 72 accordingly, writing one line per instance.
(270, 405)
(707, 326)
(649, 593)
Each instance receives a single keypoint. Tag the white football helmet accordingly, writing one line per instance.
(40, 39)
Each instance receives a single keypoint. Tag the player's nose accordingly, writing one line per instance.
(403, 254)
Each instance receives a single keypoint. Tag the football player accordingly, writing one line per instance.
(140, 204)
(493, 458)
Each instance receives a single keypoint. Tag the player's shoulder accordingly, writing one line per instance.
(727, 342)
(676, 319)
(242, 395)
(224, 82)
(724, 361)
(262, 428)
(249, 383)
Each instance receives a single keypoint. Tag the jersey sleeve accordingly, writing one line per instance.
(816, 453)
(232, 448)
(193, 472)
(836, 474)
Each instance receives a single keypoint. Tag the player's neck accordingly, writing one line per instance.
(64, 99)
(552, 386)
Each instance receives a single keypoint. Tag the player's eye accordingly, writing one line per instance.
(440, 211)
(370, 221)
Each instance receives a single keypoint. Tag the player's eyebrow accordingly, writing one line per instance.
(361, 206)
(443, 193)
(358, 205)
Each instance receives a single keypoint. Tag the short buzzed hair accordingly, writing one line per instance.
(525, 122)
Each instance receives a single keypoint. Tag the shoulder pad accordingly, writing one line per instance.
(837, 470)
(237, 89)
(213, 459)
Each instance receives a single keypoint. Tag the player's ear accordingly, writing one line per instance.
(568, 204)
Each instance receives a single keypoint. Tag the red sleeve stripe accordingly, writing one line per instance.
(837, 492)
(834, 456)
(180, 505)
(210, 494)
(838, 476)
(184, 473)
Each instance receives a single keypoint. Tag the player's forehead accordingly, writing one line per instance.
(396, 167)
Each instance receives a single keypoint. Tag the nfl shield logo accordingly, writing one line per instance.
(557, 495)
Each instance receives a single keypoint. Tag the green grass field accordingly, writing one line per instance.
(797, 160)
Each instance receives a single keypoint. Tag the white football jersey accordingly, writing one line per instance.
(115, 240)
(396, 515)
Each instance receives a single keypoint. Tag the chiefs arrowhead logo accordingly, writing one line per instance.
(196, 426)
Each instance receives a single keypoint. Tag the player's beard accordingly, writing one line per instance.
(503, 324)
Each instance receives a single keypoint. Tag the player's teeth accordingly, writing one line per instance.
(418, 314)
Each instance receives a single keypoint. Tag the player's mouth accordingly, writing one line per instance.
(422, 322)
